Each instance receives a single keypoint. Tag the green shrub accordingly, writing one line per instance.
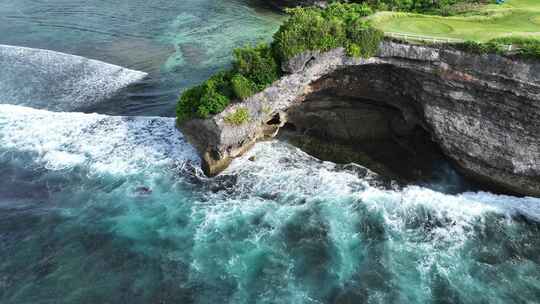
(301, 32)
(480, 48)
(188, 103)
(339, 25)
(238, 117)
(354, 50)
(211, 97)
(364, 39)
(211, 102)
(526, 47)
(256, 67)
(257, 64)
(221, 83)
(531, 51)
(242, 87)
(346, 11)
(440, 7)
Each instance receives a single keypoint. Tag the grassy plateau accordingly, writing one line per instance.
(514, 18)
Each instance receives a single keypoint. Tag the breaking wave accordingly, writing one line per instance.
(99, 142)
(120, 204)
(59, 82)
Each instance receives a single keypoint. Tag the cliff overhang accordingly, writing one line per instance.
(483, 111)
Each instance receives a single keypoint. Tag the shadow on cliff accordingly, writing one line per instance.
(347, 130)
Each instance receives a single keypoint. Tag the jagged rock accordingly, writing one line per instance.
(298, 63)
(482, 110)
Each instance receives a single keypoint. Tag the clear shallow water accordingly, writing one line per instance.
(178, 42)
(101, 209)
(110, 209)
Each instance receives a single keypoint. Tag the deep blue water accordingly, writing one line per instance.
(97, 208)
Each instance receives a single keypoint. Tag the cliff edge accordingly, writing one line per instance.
(483, 111)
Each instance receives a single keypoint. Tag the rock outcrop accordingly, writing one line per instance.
(483, 111)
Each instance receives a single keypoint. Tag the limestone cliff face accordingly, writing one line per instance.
(482, 110)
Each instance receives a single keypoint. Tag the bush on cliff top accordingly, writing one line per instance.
(364, 40)
(339, 25)
(441, 7)
(211, 97)
(524, 47)
(243, 87)
(479, 48)
(257, 64)
(256, 67)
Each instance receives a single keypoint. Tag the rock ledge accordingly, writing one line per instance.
(482, 110)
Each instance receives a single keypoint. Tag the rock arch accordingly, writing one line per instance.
(483, 111)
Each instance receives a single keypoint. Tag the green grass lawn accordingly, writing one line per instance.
(516, 17)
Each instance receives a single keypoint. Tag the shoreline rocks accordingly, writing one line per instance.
(483, 111)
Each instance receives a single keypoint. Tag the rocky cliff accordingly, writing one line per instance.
(483, 111)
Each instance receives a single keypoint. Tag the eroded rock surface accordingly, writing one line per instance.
(482, 110)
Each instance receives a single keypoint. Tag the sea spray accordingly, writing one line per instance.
(56, 81)
(277, 226)
(103, 143)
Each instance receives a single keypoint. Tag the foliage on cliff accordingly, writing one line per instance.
(254, 68)
(257, 67)
(339, 25)
(526, 47)
(442, 7)
(238, 117)
(520, 46)
(257, 64)
(210, 97)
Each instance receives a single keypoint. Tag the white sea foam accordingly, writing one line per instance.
(276, 196)
(56, 81)
(102, 143)
(303, 182)
(281, 168)
(414, 232)
(127, 144)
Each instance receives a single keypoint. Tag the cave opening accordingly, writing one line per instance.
(275, 120)
(374, 134)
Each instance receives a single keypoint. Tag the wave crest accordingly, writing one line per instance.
(56, 81)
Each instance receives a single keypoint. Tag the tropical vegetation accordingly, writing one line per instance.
(511, 29)
(256, 67)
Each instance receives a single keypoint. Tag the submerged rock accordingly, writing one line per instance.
(143, 190)
(483, 111)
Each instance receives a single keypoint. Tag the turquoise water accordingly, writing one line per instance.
(97, 208)
(178, 42)
(101, 209)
